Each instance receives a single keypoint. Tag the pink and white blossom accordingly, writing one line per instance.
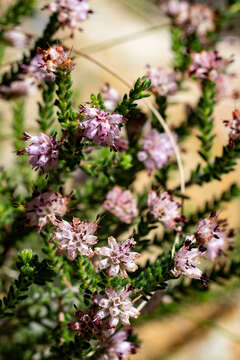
(201, 19)
(212, 236)
(19, 88)
(100, 126)
(117, 306)
(178, 10)
(42, 151)
(117, 347)
(187, 259)
(207, 65)
(234, 126)
(122, 204)
(164, 208)
(70, 12)
(116, 258)
(110, 96)
(47, 62)
(162, 83)
(156, 150)
(43, 209)
(16, 38)
(75, 239)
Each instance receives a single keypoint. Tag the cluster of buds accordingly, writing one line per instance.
(188, 258)
(102, 127)
(234, 126)
(121, 204)
(162, 83)
(43, 209)
(70, 12)
(164, 208)
(42, 151)
(192, 18)
(47, 62)
(207, 65)
(76, 238)
(110, 96)
(116, 257)
(116, 307)
(156, 150)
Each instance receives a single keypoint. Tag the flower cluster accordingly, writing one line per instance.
(76, 238)
(116, 257)
(101, 127)
(70, 12)
(110, 96)
(47, 62)
(211, 234)
(117, 347)
(43, 209)
(164, 208)
(19, 88)
(121, 204)
(42, 151)
(117, 306)
(156, 150)
(162, 83)
(207, 65)
(234, 126)
(16, 38)
(187, 259)
(196, 18)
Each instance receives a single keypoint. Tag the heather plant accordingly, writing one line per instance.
(73, 228)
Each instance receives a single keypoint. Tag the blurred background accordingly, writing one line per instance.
(126, 35)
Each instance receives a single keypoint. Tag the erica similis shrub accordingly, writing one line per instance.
(80, 282)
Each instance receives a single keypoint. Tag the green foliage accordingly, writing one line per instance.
(19, 9)
(46, 109)
(31, 271)
(205, 118)
(128, 105)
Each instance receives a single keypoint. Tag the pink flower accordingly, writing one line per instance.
(156, 150)
(207, 65)
(19, 88)
(16, 38)
(47, 62)
(117, 306)
(70, 12)
(42, 151)
(212, 236)
(111, 97)
(121, 204)
(42, 209)
(187, 259)
(100, 126)
(179, 10)
(201, 19)
(162, 83)
(76, 238)
(234, 126)
(38, 68)
(116, 257)
(164, 208)
(116, 347)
